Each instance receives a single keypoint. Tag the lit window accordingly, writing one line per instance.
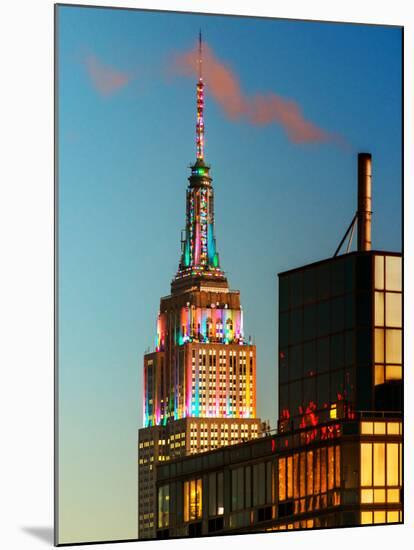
(367, 496)
(393, 516)
(392, 464)
(163, 506)
(393, 272)
(393, 341)
(282, 479)
(393, 372)
(379, 428)
(379, 495)
(393, 428)
(366, 464)
(379, 464)
(367, 428)
(379, 345)
(379, 309)
(393, 309)
(379, 375)
(379, 516)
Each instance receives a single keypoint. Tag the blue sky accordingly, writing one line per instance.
(126, 138)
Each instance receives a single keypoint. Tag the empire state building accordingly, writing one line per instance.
(200, 382)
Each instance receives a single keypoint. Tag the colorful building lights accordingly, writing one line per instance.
(209, 380)
(202, 315)
(200, 120)
(209, 325)
(199, 250)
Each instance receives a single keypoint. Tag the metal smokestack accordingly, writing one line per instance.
(364, 201)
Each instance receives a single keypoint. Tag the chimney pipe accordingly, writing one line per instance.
(364, 201)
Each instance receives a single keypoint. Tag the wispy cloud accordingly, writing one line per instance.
(105, 79)
(259, 109)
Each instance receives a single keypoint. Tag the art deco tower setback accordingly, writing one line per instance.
(200, 382)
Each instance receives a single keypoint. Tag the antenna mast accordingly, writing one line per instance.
(200, 105)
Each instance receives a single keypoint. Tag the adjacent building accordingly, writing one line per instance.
(340, 338)
(336, 459)
(200, 382)
(340, 473)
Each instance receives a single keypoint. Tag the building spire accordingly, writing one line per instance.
(200, 56)
(200, 105)
(199, 257)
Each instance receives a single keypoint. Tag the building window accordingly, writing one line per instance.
(388, 355)
(381, 472)
(262, 483)
(215, 494)
(192, 499)
(237, 489)
(388, 320)
(282, 479)
(308, 475)
(393, 277)
(393, 309)
(163, 506)
(379, 272)
(380, 516)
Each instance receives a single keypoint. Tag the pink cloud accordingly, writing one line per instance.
(105, 79)
(259, 109)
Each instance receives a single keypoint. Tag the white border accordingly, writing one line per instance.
(26, 265)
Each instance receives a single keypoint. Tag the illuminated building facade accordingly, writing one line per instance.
(200, 382)
(336, 459)
(340, 338)
(341, 473)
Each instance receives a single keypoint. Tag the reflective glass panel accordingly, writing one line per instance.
(309, 473)
(331, 468)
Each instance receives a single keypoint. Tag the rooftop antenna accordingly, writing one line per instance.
(200, 56)
(200, 105)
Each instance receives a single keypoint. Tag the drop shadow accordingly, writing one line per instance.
(43, 533)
